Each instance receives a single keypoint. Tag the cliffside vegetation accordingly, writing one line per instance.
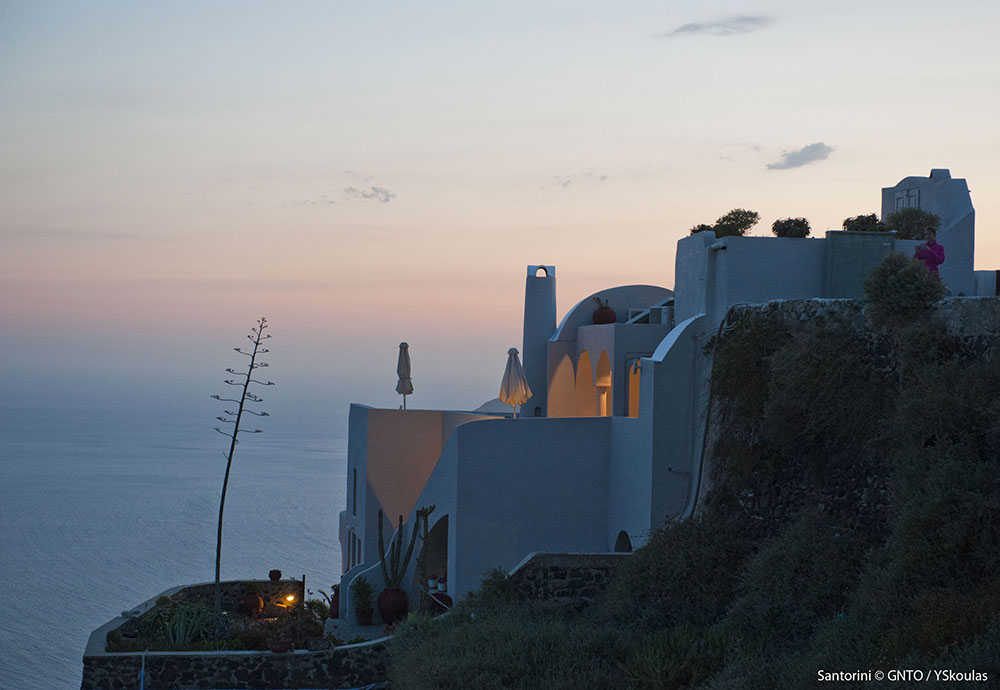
(853, 523)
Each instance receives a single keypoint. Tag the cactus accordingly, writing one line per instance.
(393, 573)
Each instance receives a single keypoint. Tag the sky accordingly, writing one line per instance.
(367, 173)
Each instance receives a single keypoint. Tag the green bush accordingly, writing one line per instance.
(899, 291)
(677, 658)
(825, 394)
(734, 223)
(869, 223)
(510, 648)
(318, 608)
(741, 368)
(791, 227)
(687, 572)
(940, 618)
(361, 593)
(911, 223)
(798, 580)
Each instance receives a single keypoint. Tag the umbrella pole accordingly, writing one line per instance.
(404, 401)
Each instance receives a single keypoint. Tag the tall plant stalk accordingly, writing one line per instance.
(256, 337)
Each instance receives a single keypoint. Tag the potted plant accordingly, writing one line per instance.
(275, 575)
(251, 602)
(361, 595)
(392, 602)
(603, 313)
(791, 227)
(332, 601)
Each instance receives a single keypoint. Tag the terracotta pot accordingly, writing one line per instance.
(364, 616)
(392, 605)
(604, 314)
(275, 575)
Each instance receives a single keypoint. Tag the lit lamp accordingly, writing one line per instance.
(290, 598)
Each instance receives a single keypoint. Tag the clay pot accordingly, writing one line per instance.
(603, 313)
(364, 616)
(275, 575)
(392, 605)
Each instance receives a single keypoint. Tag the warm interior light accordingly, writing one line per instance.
(290, 598)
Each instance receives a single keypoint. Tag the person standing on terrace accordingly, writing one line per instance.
(930, 253)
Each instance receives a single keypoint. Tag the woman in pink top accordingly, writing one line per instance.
(930, 253)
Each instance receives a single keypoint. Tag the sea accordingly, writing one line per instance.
(104, 507)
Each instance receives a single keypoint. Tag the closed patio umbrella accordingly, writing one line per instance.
(514, 389)
(405, 385)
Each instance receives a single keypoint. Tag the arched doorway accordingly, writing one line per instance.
(623, 544)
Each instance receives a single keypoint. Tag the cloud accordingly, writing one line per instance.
(730, 26)
(565, 181)
(380, 194)
(320, 201)
(804, 156)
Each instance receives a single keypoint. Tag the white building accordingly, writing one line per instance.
(610, 445)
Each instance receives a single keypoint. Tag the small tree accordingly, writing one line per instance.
(735, 223)
(911, 223)
(791, 227)
(234, 417)
(899, 291)
(867, 223)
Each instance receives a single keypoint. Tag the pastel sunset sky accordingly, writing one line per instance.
(363, 173)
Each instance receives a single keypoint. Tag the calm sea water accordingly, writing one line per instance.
(101, 510)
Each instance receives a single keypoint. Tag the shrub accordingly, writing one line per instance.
(796, 581)
(741, 367)
(940, 618)
(677, 658)
(899, 290)
(825, 396)
(319, 608)
(867, 223)
(687, 572)
(361, 593)
(735, 223)
(911, 223)
(513, 647)
(791, 227)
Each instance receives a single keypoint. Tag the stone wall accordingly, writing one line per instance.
(854, 491)
(272, 592)
(569, 578)
(349, 666)
(975, 321)
(340, 667)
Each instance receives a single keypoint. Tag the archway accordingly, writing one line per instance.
(623, 544)
(433, 559)
(602, 382)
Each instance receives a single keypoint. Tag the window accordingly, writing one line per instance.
(908, 199)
